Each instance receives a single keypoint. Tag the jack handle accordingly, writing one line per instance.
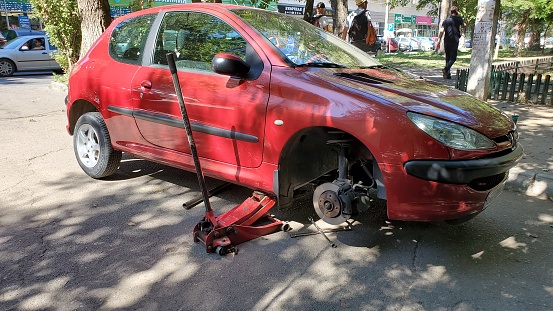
(188, 128)
(332, 244)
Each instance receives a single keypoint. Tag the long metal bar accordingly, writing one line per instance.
(300, 234)
(322, 232)
(195, 201)
(188, 128)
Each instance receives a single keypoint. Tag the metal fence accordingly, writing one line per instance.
(511, 80)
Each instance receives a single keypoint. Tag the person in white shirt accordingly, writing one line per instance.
(319, 19)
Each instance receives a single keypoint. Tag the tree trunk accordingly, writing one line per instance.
(308, 13)
(521, 32)
(339, 15)
(535, 36)
(96, 18)
(445, 6)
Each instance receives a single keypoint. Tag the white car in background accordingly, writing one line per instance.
(408, 44)
(18, 55)
(426, 43)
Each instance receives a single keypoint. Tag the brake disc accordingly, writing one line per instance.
(328, 204)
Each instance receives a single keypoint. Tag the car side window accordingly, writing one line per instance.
(128, 39)
(195, 38)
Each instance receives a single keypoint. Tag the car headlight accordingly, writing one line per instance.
(451, 134)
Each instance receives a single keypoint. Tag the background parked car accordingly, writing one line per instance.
(427, 44)
(392, 45)
(468, 43)
(19, 55)
(408, 44)
(2, 39)
(11, 34)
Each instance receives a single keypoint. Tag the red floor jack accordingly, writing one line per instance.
(245, 222)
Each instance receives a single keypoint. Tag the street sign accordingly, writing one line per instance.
(398, 18)
(391, 27)
(24, 22)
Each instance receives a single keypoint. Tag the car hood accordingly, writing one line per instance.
(403, 91)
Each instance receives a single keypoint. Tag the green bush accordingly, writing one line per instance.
(63, 26)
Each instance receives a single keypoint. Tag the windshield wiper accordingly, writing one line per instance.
(322, 65)
(375, 66)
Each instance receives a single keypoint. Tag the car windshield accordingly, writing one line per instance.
(304, 44)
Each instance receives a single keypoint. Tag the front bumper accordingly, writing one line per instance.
(444, 190)
(463, 171)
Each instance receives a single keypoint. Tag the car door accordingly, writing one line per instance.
(52, 51)
(30, 58)
(227, 114)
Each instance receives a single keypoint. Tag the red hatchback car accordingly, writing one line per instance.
(277, 105)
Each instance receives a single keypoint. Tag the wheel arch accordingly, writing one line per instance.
(78, 108)
(311, 153)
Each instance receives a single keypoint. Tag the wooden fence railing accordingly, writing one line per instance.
(511, 79)
(534, 66)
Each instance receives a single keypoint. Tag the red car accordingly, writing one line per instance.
(392, 45)
(277, 105)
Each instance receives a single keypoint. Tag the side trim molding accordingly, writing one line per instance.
(178, 123)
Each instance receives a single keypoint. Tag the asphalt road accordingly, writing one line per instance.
(68, 242)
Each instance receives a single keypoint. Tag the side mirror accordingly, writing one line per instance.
(230, 65)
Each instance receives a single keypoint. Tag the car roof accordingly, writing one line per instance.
(220, 7)
(24, 32)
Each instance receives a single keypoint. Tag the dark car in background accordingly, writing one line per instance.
(278, 105)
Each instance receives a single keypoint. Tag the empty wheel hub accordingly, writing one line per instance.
(329, 204)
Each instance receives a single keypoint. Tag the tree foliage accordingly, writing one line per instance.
(137, 5)
(532, 16)
(63, 25)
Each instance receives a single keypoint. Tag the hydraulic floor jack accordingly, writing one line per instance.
(245, 222)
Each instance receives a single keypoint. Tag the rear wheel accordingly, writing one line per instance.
(92, 146)
(7, 67)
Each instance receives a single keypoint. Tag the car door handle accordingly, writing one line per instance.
(44, 53)
(146, 85)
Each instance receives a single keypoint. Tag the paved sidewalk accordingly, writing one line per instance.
(534, 174)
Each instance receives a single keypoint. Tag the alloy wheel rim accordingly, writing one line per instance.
(88, 145)
(5, 68)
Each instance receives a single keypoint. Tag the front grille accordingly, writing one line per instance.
(510, 139)
(487, 183)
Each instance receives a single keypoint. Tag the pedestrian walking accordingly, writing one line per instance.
(359, 29)
(319, 19)
(451, 33)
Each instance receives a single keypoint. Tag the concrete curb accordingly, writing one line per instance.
(530, 183)
(58, 86)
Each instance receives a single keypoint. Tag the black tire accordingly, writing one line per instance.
(7, 68)
(92, 146)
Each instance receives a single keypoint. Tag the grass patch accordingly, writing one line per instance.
(429, 59)
(432, 60)
(61, 78)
